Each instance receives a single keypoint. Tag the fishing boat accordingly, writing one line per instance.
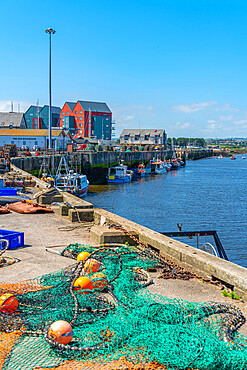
(157, 167)
(175, 164)
(119, 174)
(140, 171)
(70, 181)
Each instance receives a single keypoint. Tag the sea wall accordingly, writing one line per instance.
(86, 158)
(184, 255)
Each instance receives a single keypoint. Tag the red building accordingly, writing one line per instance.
(87, 119)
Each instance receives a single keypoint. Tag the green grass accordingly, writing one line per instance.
(230, 294)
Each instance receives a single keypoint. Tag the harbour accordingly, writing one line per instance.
(206, 195)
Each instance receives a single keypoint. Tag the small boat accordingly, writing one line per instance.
(175, 164)
(243, 157)
(140, 171)
(119, 174)
(220, 157)
(233, 157)
(70, 181)
(157, 167)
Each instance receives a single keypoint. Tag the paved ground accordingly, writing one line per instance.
(40, 230)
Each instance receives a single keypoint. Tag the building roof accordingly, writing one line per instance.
(29, 132)
(15, 118)
(94, 106)
(53, 109)
(144, 132)
(37, 108)
(70, 105)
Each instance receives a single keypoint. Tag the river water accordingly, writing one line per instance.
(209, 194)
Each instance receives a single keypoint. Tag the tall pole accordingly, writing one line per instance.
(50, 31)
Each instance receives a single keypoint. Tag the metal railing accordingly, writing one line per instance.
(190, 234)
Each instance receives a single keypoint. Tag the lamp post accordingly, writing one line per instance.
(51, 32)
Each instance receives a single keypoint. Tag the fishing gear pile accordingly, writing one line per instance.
(99, 314)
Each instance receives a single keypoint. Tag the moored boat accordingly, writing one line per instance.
(70, 181)
(175, 164)
(119, 174)
(157, 167)
(140, 171)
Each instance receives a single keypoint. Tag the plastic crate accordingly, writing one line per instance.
(11, 239)
(8, 191)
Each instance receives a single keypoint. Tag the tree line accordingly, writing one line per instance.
(185, 141)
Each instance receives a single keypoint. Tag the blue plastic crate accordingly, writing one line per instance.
(8, 191)
(12, 239)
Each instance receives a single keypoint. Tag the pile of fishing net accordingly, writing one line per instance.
(113, 321)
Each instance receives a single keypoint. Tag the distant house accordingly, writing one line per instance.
(12, 120)
(87, 119)
(34, 137)
(143, 137)
(38, 117)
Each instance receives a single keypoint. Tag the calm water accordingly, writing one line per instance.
(210, 194)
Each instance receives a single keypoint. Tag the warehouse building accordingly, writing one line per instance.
(38, 117)
(143, 137)
(87, 119)
(34, 137)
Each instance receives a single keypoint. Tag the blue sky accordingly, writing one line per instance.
(177, 65)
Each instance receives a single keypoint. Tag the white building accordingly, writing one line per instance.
(143, 137)
(30, 138)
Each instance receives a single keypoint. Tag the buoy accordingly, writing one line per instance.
(91, 266)
(82, 256)
(83, 283)
(8, 303)
(61, 332)
(99, 280)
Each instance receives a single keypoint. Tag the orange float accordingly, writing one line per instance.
(91, 266)
(83, 283)
(82, 256)
(8, 303)
(61, 332)
(99, 280)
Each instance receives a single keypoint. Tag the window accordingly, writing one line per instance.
(156, 137)
(31, 114)
(80, 125)
(76, 112)
(137, 137)
(12, 142)
(24, 142)
(11, 125)
(36, 142)
(68, 113)
(2, 123)
(63, 113)
(80, 111)
(80, 118)
(146, 137)
(126, 137)
(80, 131)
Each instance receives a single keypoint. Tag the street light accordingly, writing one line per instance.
(51, 32)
